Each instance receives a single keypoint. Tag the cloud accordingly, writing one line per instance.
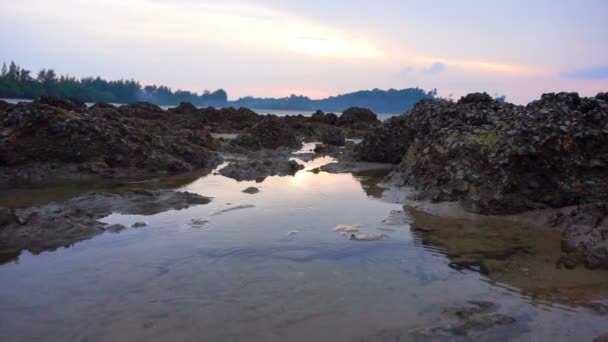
(433, 69)
(436, 68)
(200, 22)
(591, 73)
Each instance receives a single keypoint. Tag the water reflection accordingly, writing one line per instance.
(276, 271)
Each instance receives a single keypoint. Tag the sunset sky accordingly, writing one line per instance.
(318, 48)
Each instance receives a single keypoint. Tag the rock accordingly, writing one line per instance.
(115, 228)
(69, 103)
(386, 144)
(346, 228)
(585, 235)
(6, 216)
(465, 321)
(352, 167)
(396, 218)
(357, 116)
(258, 170)
(476, 98)
(229, 119)
(139, 225)
(598, 308)
(61, 224)
(601, 338)
(100, 142)
(197, 223)
(143, 110)
(251, 190)
(499, 158)
(270, 132)
(333, 136)
(366, 237)
(329, 118)
(184, 108)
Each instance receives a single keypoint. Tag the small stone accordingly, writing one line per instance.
(251, 190)
(115, 228)
(139, 224)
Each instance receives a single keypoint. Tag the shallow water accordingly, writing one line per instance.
(268, 267)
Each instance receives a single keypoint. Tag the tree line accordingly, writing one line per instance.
(18, 82)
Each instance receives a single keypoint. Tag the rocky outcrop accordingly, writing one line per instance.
(184, 108)
(329, 118)
(386, 144)
(333, 136)
(71, 104)
(228, 119)
(501, 158)
(270, 132)
(44, 139)
(61, 224)
(357, 116)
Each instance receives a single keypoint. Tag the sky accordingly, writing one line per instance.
(318, 48)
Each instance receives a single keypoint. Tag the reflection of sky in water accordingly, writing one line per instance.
(243, 276)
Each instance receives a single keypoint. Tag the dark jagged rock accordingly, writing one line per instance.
(229, 119)
(333, 136)
(331, 118)
(357, 116)
(61, 224)
(320, 116)
(102, 106)
(184, 108)
(270, 132)
(38, 139)
(143, 110)
(4, 106)
(501, 158)
(476, 98)
(71, 104)
(386, 144)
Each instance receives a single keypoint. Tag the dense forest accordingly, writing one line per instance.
(18, 82)
(382, 101)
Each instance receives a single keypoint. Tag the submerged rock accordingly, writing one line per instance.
(366, 237)
(396, 218)
(465, 321)
(61, 224)
(585, 235)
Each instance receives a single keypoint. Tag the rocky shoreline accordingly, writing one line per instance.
(493, 158)
(500, 158)
(61, 224)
